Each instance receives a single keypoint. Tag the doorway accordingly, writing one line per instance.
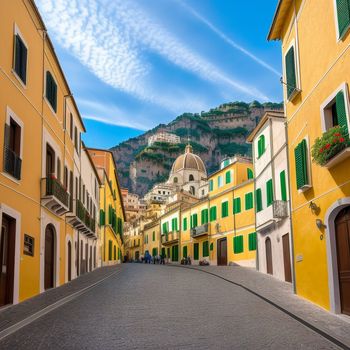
(69, 253)
(342, 230)
(222, 252)
(49, 257)
(286, 258)
(268, 250)
(7, 259)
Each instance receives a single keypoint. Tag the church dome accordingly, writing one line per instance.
(188, 161)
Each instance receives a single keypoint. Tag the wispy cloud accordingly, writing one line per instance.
(227, 39)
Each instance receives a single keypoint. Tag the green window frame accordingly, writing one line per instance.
(238, 244)
(250, 174)
(283, 184)
(258, 200)
(212, 213)
(51, 91)
(165, 227)
(20, 62)
(184, 224)
(205, 249)
(261, 145)
(204, 216)
(236, 205)
(174, 226)
(184, 251)
(196, 251)
(269, 192)
(211, 185)
(249, 201)
(228, 177)
(252, 241)
(343, 16)
(194, 220)
(291, 79)
(341, 111)
(224, 209)
(300, 153)
(110, 245)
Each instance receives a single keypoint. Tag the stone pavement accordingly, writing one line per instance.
(280, 294)
(16, 313)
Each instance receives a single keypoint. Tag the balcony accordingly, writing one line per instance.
(81, 220)
(12, 163)
(200, 231)
(171, 237)
(280, 209)
(54, 196)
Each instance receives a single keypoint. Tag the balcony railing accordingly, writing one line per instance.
(12, 163)
(280, 209)
(200, 230)
(54, 196)
(170, 237)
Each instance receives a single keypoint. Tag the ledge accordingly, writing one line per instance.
(340, 157)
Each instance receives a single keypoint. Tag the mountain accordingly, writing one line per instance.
(220, 132)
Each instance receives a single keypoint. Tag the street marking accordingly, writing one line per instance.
(17, 326)
(294, 316)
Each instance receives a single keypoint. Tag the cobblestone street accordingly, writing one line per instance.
(152, 306)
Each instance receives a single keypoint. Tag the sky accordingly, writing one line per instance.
(133, 64)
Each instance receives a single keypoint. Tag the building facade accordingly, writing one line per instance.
(163, 136)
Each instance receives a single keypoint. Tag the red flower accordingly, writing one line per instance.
(321, 150)
(337, 134)
(328, 145)
(341, 139)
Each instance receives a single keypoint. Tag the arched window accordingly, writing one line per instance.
(192, 190)
(191, 178)
(175, 180)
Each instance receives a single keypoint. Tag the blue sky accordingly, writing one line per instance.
(133, 64)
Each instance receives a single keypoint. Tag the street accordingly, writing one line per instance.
(152, 306)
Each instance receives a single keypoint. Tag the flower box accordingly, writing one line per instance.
(340, 157)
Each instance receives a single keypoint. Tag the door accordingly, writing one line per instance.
(286, 258)
(7, 259)
(342, 226)
(268, 249)
(90, 260)
(69, 261)
(81, 258)
(86, 257)
(49, 257)
(222, 252)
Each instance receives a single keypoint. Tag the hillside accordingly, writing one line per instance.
(220, 132)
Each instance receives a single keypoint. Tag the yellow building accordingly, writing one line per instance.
(316, 75)
(151, 238)
(112, 215)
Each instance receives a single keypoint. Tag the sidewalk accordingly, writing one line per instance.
(281, 294)
(13, 314)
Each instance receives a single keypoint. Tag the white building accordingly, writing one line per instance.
(273, 226)
(163, 136)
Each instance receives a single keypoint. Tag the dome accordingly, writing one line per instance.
(189, 161)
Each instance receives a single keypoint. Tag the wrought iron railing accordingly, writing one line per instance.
(200, 230)
(54, 188)
(12, 163)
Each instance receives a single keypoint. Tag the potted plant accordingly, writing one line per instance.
(332, 142)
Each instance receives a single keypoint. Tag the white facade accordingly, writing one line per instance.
(271, 180)
(163, 136)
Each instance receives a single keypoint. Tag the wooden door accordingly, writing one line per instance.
(222, 252)
(69, 261)
(268, 249)
(342, 224)
(49, 257)
(7, 259)
(286, 258)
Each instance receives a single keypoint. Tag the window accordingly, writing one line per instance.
(20, 59)
(250, 173)
(102, 217)
(204, 216)
(236, 205)
(192, 190)
(154, 251)
(153, 236)
(184, 224)
(301, 168)
(175, 180)
(261, 145)
(224, 209)
(109, 250)
(194, 220)
(28, 245)
(291, 79)
(174, 224)
(252, 241)
(196, 251)
(269, 192)
(205, 248)
(211, 185)
(12, 149)
(212, 214)
(58, 169)
(258, 199)
(225, 163)
(211, 246)
(115, 253)
(65, 177)
(165, 227)
(249, 201)
(343, 16)
(219, 181)
(76, 138)
(228, 177)
(191, 178)
(71, 126)
(51, 91)
(238, 244)
(283, 185)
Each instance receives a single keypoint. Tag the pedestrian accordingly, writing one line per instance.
(162, 259)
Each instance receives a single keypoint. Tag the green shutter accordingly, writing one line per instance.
(165, 227)
(248, 200)
(252, 241)
(109, 250)
(212, 213)
(300, 153)
(153, 236)
(196, 251)
(269, 192)
(228, 177)
(237, 205)
(261, 145)
(211, 246)
(258, 199)
(343, 16)
(250, 173)
(205, 249)
(51, 91)
(154, 251)
(290, 72)
(283, 185)
(102, 217)
(175, 253)
(163, 252)
(238, 244)
(204, 216)
(184, 226)
(211, 185)
(195, 220)
(224, 209)
(341, 111)
(184, 251)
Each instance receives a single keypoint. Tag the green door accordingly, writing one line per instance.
(196, 251)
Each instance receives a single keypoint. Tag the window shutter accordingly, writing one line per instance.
(23, 63)
(195, 220)
(211, 185)
(341, 111)
(252, 241)
(269, 191)
(228, 177)
(196, 251)
(184, 251)
(300, 153)
(258, 198)
(343, 16)
(102, 217)
(184, 224)
(205, 248)
(224, 209)
(250, 173)
(212, 214)
(283, 185)
(211, 246)
(290, 72)
(248, 201)
(237, 205)
(238, 244)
